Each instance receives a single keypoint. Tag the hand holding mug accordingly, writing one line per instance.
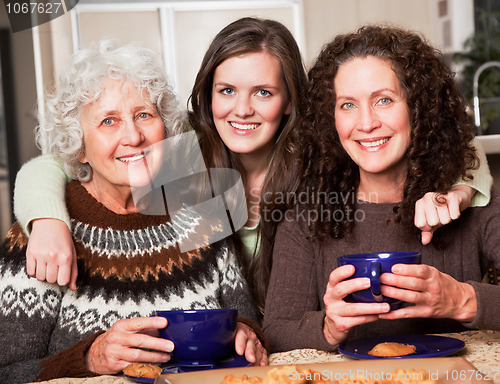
(358, 277)
(372, 266)
(341, 315)
(434, 294)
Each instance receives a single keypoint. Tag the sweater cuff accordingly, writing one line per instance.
(68, 363)
(257, 330)
(39, 191)
(482, 195)
(326, 346)
(483, 181)
(487, 314)
(49, 209)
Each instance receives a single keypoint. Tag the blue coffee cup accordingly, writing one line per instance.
(372, 265)
(201, 337)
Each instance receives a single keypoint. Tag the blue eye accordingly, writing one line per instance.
(347, 106)
(227, 91)
(143, 115)
(108, 121)
(385, 100)
(264, 93)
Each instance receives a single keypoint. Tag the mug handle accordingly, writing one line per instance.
(375, 269)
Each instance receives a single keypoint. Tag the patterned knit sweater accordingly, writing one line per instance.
(128, 266)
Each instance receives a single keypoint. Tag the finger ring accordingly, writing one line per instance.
(438, 199)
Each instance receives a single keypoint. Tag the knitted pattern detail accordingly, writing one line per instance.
(110, 242)
(128, 266)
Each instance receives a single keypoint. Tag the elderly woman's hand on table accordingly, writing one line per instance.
(133, 340)
(129, 341)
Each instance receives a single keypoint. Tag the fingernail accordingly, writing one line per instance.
(169, 346)
(163, 322)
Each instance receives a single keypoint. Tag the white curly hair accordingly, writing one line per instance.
(81, 83)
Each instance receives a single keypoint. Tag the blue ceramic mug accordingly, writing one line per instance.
(201, 337)
(372, 265)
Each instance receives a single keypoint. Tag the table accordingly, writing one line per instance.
(482, 350)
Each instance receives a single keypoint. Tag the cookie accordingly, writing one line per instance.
(230, 379)
(292, 374)
(392, 350)
(281, 375)
(147, 371)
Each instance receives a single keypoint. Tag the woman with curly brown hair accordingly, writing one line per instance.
(385, 124)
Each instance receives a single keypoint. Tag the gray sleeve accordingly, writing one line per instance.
(488, 236)
(294, 314)
(20, 371)
(28, 314)
(488, 306)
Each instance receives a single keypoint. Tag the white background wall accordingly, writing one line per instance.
(319, 21)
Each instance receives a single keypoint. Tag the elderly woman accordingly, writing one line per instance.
(387, 125)
(113, 105)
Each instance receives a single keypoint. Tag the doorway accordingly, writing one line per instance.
(9, 163)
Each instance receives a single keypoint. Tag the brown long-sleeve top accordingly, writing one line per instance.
(295, 310)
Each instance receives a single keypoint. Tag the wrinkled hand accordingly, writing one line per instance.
(247, 343)
(434, 210)
(123, 344)
(342, 316)
(435, 294)
(51, 253)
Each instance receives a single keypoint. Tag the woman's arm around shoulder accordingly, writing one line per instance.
(39, 204)
(435, 210)
(40, 191)
(482, 180)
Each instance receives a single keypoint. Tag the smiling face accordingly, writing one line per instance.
(249, 98)
(117, 129)
(372, 117)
